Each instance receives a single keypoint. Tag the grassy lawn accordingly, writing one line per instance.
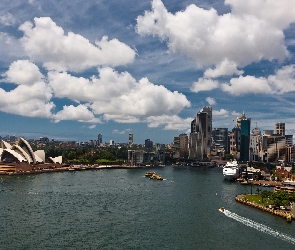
(109, 161)
(257, 199)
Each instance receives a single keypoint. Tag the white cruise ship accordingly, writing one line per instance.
(231, 170)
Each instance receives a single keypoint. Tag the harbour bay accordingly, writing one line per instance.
(122, 209)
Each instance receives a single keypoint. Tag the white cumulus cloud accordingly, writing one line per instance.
(109, 96)
(173, 122)
(211, 101)
(279, 13)
(210, 39)
(282, 82)
(204, 84)
(80, 113)
(31, 101)
(118, 96)
(221, 112)
(23, 72)
(247, 84)
(225, 68)
(284, 79)
(47, 43)
(31, 97)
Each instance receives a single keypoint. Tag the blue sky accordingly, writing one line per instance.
(71, 70)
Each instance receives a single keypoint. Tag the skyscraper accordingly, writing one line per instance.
(280, 128)
(99, 139)
(245, 138)
(183, 145)
(148, 143)
(220, 138)
(130, 139)
(255, 144)
(201, 125)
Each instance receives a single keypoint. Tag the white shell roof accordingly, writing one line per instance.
(15, 154)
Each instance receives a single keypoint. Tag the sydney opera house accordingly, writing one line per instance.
(20, 157)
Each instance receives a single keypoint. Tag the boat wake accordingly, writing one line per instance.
(258, 226)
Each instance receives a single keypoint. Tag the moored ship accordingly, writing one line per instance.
(231, 170)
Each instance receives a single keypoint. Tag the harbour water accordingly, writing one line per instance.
(122, 209)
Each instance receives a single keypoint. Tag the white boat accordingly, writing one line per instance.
(231, 170)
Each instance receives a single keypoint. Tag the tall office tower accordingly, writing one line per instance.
(255, 145)
(273, 147)
(239, 119)
(193, 126)
(148, 143)
(202, 125)
(160, 152)
(289, 140)
(220, 138)
(280, 128)
(245, 139)
(99, 139)
(176, 145)
(183, 145)
(235, 142)
(130, 139)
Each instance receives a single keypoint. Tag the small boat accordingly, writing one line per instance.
(221, 209)
(153, 175)
(149, 174)
(159, 177)
(156, 177)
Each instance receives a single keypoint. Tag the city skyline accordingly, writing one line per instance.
(277, 129)
(71, 72)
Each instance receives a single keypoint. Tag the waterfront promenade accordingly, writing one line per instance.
(279, 212)
(262, 183)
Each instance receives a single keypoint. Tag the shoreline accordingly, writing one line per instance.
(281, 213)
(69, 168)
(262, 183)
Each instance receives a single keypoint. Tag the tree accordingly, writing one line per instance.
(285, 203)
(258, 190)
(280, 198)
(229, 157)
(264, 194)
(292, 196)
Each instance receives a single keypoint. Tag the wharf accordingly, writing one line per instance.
(262, 183)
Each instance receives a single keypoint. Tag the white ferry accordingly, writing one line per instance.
(231, 170)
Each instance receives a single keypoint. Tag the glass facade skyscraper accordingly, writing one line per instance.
(245, 139)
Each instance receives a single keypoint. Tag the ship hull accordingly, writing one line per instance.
(231, 177)
(231, 171)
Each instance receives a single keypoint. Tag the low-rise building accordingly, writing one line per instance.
(283, 172)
